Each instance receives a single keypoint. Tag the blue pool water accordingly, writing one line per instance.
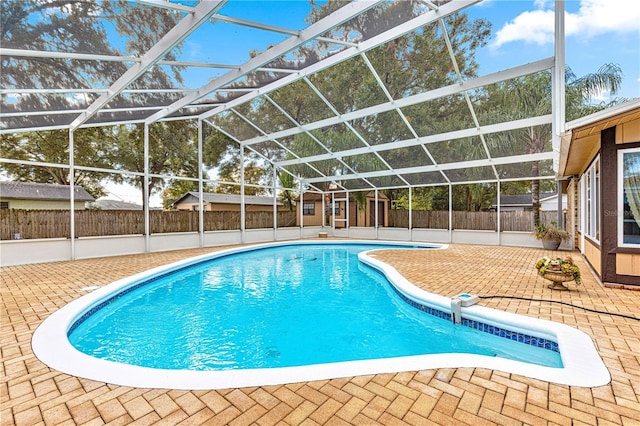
(275, 307)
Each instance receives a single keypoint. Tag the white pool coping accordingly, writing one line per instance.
(582, 363)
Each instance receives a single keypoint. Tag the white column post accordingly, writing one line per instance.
(275, 203)
(301, 207)
(72, 198)
(145, 191)
(242, 213)
(324, 210)
(410, 214)
(558, 83)
(200, 187)
(450, 213)
(376, 216)
(346, 212)
(498, 222)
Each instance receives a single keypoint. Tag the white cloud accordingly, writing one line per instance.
(193, 50)
(532, 27)
(540, 4)
(594, 17)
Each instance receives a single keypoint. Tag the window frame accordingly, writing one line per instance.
(305, 208)
(590, 220)
(620, 201)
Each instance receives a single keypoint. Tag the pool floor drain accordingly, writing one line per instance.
(272, 353)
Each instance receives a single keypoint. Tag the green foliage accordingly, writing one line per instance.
(91, 148)
(551, 232)
(172, 150)
(566, 266)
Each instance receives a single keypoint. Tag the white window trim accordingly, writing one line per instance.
(590, 208)
(620, 215)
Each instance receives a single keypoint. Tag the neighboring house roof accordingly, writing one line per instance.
(41, 191)
(215, 198)
(116, 205)
(521, 199)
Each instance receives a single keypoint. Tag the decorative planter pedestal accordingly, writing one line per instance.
(557, 279)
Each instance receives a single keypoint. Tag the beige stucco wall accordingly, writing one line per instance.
(43, 204)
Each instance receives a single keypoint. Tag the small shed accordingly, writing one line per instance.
(41, 196)
(312, 205)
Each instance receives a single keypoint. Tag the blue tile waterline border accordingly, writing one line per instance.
(539, 342)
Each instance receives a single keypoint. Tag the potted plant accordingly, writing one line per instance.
(558, 271)
(551, 235)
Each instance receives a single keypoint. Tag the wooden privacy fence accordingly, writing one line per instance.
(30, 224)
(437, 219)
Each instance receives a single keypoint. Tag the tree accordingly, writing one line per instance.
(75, 26)
(172, 150)
(91, 148)
(410, 64)
(530, 96)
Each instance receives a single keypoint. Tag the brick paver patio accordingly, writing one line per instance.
(31, 393)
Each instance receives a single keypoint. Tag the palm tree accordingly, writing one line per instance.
(530, 96)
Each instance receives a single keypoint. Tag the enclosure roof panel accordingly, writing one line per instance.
(352, 95)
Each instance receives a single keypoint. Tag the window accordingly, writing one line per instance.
(336, 208)
(629, 199)
(4, 205)
(309, 209)
(590, 201)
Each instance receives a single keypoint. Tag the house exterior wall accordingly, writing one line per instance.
(591, 251)
(616, 265)
(42, 204)
(314, 219)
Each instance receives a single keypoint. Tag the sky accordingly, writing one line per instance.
(597, 32)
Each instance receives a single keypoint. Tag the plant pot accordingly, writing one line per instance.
(550, 244)
(557, 279)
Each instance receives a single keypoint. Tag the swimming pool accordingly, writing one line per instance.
(274, 352)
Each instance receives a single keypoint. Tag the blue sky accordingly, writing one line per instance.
(597, 32)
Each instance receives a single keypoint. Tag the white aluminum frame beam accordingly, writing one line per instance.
(72, 91)
(457, 134)
(111, 58)
(391, 34)
(175, 36)
(452, 89)
(271, 28)
(166, 4)
(514, 159)
(313, 31)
